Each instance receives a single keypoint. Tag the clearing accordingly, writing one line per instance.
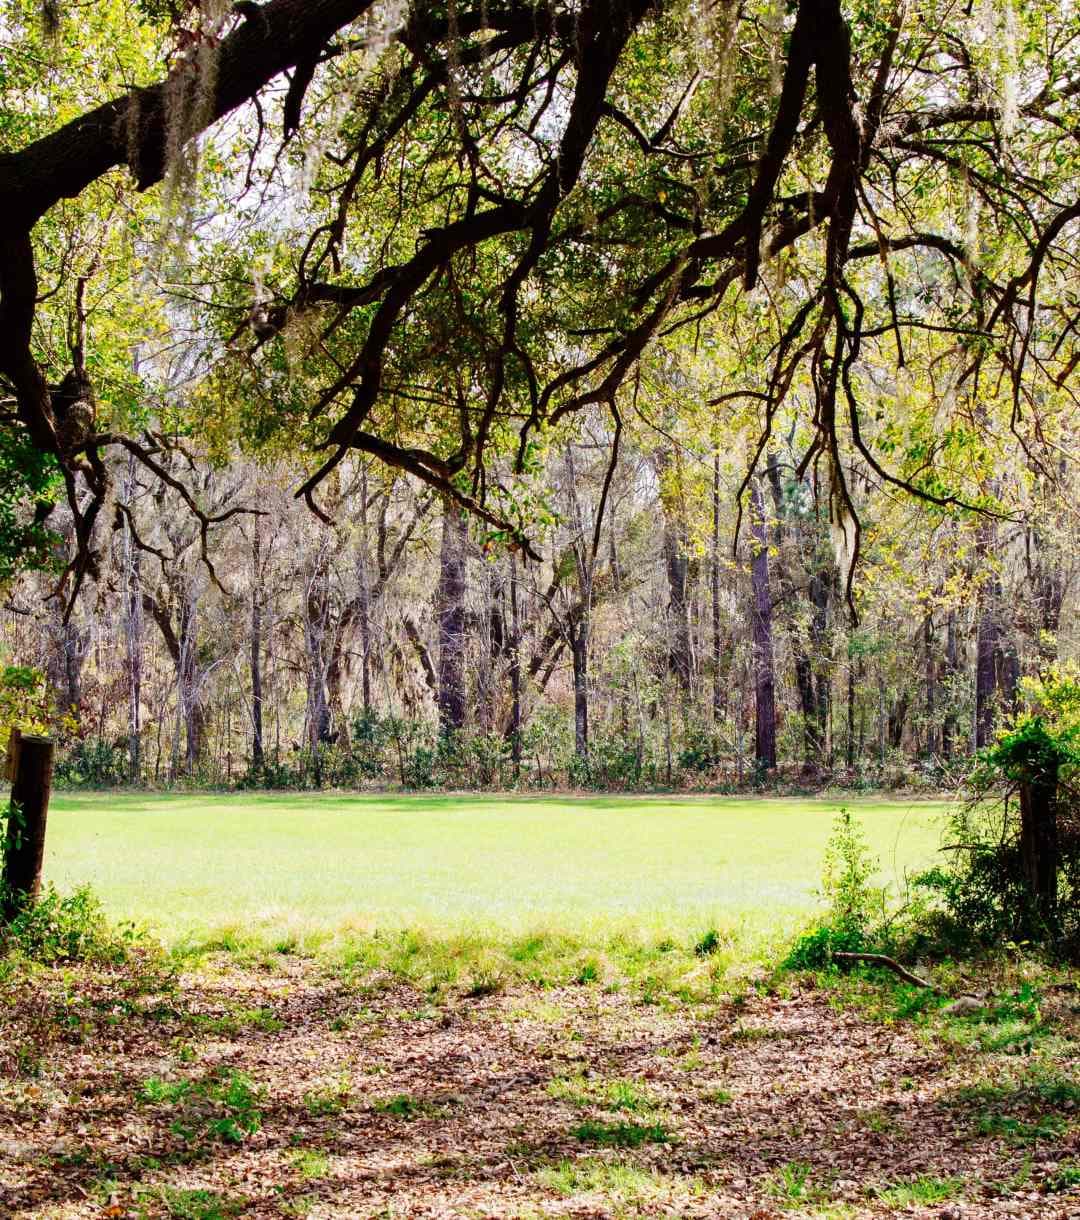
(306, 864)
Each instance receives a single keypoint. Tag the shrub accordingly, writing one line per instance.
(67, 928)
(93, 763)
(855, 918)
(992, 889)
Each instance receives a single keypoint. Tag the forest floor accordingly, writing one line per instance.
(274, 1085)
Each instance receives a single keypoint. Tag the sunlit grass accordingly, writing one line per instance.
(534, 877)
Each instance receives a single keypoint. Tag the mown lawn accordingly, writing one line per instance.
(303, 864)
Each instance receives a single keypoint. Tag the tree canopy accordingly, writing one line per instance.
(435, 233)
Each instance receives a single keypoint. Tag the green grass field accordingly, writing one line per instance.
(308, 865)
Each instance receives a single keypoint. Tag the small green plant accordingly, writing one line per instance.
(484, 983)
(708, 944)
(310, 1163)
(922, 1191)
(620, 1094)
(262, 1019)
(1020, 1131)
(330, 1098)
(1066, 1178)
(197, 1204)
(792, 1182)
(622, 1134)
(612, 1179)
(588, 972)
(239, 1098)
(158, 1092)
(854, 917)
(404, 1107)
(220, 1106)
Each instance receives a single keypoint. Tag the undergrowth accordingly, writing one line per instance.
(68, 928)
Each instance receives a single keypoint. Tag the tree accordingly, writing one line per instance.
(452, 692)
(850, 176)
(761, 618)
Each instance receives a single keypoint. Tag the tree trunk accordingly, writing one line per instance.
(948, 723)
(987, 636)
(257, 755)
(714, 590)
(363, 615)
(451, 616)
(897, 720)
(68, 652)
(579, 650)
(363, 579)
(820, 584)
(804, 682)
(24, 841)
(133, 634)
(764, 681)
(677, 564)
(1039, 848)
(930, 671)
(808, 643)
(675, 549)
(191, 696)
(515, 668)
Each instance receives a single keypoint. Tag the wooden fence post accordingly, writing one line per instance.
(24, 843)
(12, 754)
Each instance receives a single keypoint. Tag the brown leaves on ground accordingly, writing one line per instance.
(288, 1092)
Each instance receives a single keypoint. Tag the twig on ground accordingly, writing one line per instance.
(890, 963)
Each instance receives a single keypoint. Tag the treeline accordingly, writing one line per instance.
(659, 641)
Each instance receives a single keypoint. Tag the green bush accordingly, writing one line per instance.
(980, 898)
(93, 763)
(983, 895)
(615, 764)
(420, 769)
(855, 919)
(67, 928)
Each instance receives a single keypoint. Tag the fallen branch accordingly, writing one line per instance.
(890, 963)
(962, 1004)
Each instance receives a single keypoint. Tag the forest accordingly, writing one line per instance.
(396, 645)
(539, 655)
(624, 457)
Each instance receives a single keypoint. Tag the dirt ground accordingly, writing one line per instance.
(289, 1091)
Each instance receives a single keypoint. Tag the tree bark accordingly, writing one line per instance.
(69, 645)
(764, 680)
(952, 667)
(515, 668)
(930, 673)
(133, 634)
(579, 651)
(987, 635)
(675, 546)
(677, 562)
(258, 758)
(190, 684)
(714, 591)
(316, 614)
(451, 618)
(24, 841)
(1039, 848)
